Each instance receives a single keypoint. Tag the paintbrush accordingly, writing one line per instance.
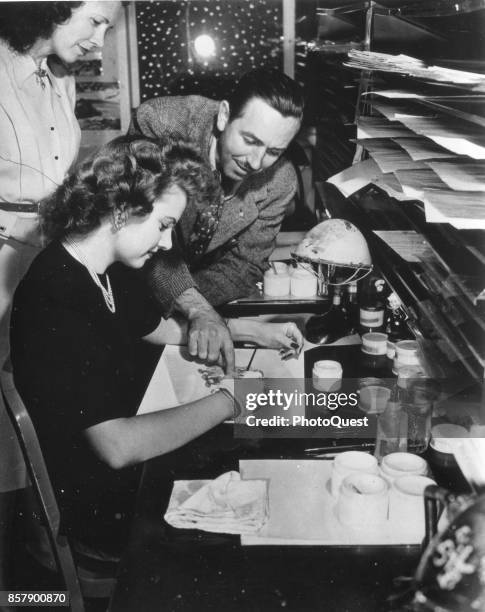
(345, 447)
(251, 360)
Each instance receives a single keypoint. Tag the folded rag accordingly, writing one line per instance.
(224, 505)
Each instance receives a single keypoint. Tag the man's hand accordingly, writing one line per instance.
(208, 336)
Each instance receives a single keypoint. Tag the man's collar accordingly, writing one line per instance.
(213, 152)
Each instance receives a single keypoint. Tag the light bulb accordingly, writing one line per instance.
(205, 46)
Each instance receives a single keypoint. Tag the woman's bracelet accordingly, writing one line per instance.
(237, 405)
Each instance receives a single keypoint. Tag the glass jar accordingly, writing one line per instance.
(419, 426)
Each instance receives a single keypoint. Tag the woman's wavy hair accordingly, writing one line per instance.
(127, 174)
(23, 23)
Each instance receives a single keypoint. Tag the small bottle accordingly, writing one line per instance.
(395, 324)
(330, 326)
(371, 310)
(352, 308)
(392, 428)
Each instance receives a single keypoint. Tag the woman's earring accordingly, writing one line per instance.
(119, 219)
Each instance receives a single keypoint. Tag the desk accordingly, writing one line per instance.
(193, 571)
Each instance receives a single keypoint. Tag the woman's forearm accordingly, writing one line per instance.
(124, 442)
(245, 330)
(174, 331)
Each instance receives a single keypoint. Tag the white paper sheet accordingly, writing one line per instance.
(177, 378)
(421, 148)
(389, 161)
(463, 209)
(302, 510)
(414, 182)
(376, 127)
(393, 112)
(357, 176)
(409, 245)
(405, 64)
(461, 176)
(456, 136)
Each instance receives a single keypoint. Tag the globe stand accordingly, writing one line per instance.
(330, 273)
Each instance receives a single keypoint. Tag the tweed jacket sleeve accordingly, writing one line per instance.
(236, 273)
(168, 276)
(188, 117)
(191, 118)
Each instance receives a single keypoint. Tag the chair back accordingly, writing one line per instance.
(42, 487)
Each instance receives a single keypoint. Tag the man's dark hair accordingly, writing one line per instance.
(273, 87)
(23, 23)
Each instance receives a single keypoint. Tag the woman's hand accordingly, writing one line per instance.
(286, 337)
(283, 336)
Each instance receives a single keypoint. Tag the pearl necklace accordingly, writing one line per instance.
(107, 293)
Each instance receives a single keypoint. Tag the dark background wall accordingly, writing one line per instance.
(247, 34)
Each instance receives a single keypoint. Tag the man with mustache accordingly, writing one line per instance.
(224, 246)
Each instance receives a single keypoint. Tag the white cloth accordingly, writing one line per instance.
(224, 505)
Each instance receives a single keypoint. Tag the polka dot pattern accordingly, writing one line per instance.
(247, 34)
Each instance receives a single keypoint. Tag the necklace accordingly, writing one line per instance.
(107, 292)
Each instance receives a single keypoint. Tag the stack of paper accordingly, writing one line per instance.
(462, 209)
(405, 64)
(420, 148)
(389, 161)
(452, 134)
(376, 127)
(414, 182)
(395, 111)
(388, 155)
(461, 176)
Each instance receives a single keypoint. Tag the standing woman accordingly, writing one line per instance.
(39, 133)
(39, 141)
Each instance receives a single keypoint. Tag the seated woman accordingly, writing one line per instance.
(79, 312)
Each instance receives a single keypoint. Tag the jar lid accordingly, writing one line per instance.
(446, 437)
(413, 485)
(326, 368)
(277, 268)
(374, 343)
(406, 347)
